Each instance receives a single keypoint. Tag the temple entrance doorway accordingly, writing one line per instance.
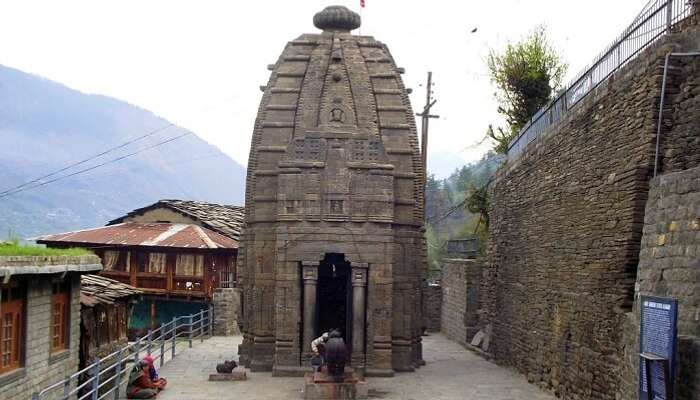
(334, 296)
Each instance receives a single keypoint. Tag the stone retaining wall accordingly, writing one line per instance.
(669, 267)
(460, 291)
(567, 222)
(433, 307)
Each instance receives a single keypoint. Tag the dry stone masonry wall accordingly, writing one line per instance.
(433, 307)
(460, 289)
(669, 266)
(567, 224)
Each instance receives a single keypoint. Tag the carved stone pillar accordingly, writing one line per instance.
(359, 300)
(310, 278)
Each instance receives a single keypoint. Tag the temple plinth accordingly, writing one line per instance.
(319, 386)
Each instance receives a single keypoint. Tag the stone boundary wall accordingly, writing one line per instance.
(227, 305)
(567, 223)
(433, 307)
(669, 266)
(460, 291)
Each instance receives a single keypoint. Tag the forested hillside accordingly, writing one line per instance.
(45, 126)
(447, 215)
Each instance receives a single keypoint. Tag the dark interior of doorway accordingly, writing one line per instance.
(333, 296)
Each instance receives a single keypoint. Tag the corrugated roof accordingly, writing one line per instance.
(225, 219)
(96, 289)
(157, 234)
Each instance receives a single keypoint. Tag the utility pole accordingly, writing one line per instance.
(429, 103)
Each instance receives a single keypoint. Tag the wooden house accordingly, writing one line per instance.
(176, 251)
(105, 310)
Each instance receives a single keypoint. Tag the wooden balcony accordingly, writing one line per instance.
(171, 284)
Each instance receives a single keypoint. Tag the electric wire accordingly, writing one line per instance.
(24, 188)
(105, 152)
(75, 164)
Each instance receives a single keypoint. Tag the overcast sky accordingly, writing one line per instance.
(200, 63)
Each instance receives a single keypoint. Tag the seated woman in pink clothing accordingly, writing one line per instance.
(161, 382)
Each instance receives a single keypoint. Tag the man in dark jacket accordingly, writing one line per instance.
(336, 355)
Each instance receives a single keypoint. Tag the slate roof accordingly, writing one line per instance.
(97, 289)
(155, 234)
(47, 265)
(224, 219)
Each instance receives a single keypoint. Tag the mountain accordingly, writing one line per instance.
(45, 126)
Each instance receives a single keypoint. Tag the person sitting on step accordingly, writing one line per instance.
(318, 347)
(140, 385)
(154, 373)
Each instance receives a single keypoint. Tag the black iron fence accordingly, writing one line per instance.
(654, 21)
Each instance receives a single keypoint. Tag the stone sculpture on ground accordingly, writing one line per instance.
(226, 367)
(334, 233)
(228, 371)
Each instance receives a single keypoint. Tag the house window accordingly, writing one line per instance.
(156, 263)
(141, 259)
(115, 260)
(189, 265)
(60, 315)
(12, 305)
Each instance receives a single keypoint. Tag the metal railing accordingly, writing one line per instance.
(106, 377)
(655, 20)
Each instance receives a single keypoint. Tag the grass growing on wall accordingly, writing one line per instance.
(14, 248)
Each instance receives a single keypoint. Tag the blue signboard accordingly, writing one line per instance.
(657, 340)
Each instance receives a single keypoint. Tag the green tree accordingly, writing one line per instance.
(478, 203)
(526, 75)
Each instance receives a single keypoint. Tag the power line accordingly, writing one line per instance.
(476, 144)
(24, 188)
(75, 164)
(447, 213)
(120, 170)
(456, 207)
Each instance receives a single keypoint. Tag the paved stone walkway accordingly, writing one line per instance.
(451, 373)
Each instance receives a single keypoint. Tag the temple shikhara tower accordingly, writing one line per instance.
(334, 233)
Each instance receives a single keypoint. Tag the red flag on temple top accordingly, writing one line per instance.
(362, 3)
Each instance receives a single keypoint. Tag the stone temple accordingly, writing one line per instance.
(334, 234)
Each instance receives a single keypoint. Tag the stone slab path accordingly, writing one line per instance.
(451, 373)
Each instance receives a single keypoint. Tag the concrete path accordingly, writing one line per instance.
(451, 373)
